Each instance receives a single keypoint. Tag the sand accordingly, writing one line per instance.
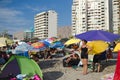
(54, 70)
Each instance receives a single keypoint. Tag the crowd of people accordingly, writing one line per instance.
(79, 54)
(6, 52)
(81, 57)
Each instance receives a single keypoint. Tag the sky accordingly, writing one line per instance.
(18, 15)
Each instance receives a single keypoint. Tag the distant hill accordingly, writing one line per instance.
(64, 32)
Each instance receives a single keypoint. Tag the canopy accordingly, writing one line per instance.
(20, 65)
(97, 47)
(72, 41)
(98, 35)
(117, 47)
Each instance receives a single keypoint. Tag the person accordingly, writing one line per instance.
(84, 55)
(72, 60)
(96, 61)
(109, 54)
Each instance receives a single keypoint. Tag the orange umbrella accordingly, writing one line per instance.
(38, 45)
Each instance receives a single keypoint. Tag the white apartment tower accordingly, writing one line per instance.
(116, 15)
(45, 24)
(79, 16)
(93, 15)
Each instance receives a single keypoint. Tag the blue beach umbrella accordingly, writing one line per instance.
(56, 44)
(47, 44)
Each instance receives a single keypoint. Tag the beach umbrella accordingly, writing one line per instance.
(63, 40)
(57, 44)
(38, 45)
(51, 40)
(46, 43)
(98, 35)
(6, 40)
(38, 49)
(117, 47)
(97, 47)
(72, 41)
(1, 44)
(23, 47)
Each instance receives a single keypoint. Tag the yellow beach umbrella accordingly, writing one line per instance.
(5, 40)
(72, 41)
(97, 47)
(117, 47)
(1, 44)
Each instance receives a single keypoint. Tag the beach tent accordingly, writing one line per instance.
(20, 65)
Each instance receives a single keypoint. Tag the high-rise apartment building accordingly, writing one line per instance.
(94, 15)
(79, 16)
(45, 24)
(116, 15)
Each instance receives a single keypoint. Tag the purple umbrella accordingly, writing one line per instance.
(98, 35)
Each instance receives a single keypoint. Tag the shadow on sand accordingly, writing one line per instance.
(54, 75)
(108, 63)
(47, 64)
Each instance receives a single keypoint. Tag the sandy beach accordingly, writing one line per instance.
(54, 70)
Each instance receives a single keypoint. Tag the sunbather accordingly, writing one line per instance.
(73, 60)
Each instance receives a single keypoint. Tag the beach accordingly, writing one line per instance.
(54, 70)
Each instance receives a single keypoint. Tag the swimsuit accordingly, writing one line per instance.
(84, 54)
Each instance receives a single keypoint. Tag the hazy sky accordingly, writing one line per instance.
(18, 15)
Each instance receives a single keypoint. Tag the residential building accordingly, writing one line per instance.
(116, 15)
(95, 15)
(28, 34)
(64, 32)
(18, 35)
(45, 24)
